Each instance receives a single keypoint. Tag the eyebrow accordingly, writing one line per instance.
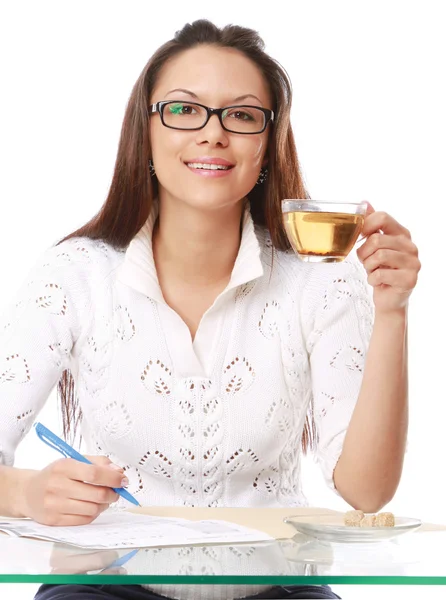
(238, 99)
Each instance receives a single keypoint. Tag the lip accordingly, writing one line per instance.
(210, 160)
(210, 173)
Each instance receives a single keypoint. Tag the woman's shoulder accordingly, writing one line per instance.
(284, 263)
(75, 266)
(81, 253)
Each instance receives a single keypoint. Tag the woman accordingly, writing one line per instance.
(205, 357)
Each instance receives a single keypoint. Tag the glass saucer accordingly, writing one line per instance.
(331, 528)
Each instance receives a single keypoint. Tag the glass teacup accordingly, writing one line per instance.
(323, 231)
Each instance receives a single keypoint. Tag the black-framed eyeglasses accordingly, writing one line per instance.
(240, 118)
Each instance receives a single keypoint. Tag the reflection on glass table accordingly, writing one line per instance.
(413, 558)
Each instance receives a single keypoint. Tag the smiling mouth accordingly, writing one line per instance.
(209, 167)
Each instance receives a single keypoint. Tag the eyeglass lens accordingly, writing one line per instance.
(240, 119)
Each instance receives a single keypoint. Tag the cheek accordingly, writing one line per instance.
(165, 143)
(258, 152)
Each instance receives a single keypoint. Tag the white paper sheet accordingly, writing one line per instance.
(128, 530)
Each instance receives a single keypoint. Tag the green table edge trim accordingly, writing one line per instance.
(222, 579)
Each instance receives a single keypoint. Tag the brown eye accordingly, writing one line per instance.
(243, 116)
(178, 108)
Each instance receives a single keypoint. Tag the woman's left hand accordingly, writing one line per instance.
(390, 259)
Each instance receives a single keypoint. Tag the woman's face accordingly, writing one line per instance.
(215, 77)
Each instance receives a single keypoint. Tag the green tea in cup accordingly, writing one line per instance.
(323, 231)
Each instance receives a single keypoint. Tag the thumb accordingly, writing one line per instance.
(104, 461)
(370, 208)
(369, 211)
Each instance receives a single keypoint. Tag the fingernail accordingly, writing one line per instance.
(116, 467)
(125, 482)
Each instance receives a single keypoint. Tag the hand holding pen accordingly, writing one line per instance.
(71, 560)
(70, 491)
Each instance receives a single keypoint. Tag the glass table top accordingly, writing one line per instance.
(416, 557)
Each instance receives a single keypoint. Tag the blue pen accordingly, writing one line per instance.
(121, 560)
(55, 442)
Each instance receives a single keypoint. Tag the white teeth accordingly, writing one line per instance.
(207, 166)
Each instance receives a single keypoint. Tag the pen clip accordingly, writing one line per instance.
(46, 436)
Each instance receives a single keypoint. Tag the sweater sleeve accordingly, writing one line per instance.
(37, 334)
(338, 320)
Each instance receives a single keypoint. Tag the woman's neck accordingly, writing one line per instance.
(196, 247)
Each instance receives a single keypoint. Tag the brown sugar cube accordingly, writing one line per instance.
(368, 521)
(385, 519)
(352, 518)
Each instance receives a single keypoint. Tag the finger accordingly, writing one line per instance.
(97, 474)
(61, 554)
(380, 220)
(87, 561)
(377, 241)
(400, 279)
(77, 490)
(70, 570)
(62, 520)
(81, 508)
(114, 571)
(392, 259)
(94, 562)
(369, 211)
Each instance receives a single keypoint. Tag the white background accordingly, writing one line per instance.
(369, 119)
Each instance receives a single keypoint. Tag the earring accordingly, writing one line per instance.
(151, 168)
(262, 176)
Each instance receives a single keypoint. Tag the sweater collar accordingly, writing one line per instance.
(139, 272)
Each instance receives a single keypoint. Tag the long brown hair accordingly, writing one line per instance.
(133, 190)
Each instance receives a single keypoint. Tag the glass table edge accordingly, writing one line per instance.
(223, 579)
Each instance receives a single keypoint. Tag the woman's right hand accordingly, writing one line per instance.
(69, 492)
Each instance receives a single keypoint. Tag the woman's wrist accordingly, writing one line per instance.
(391, 318)
(18, 499)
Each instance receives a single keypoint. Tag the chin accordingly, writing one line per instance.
(210, 201)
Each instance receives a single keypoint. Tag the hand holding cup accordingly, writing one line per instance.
(391, 260)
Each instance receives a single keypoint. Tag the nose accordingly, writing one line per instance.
(213, 133)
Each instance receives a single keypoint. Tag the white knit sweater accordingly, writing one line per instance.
(213, 422)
